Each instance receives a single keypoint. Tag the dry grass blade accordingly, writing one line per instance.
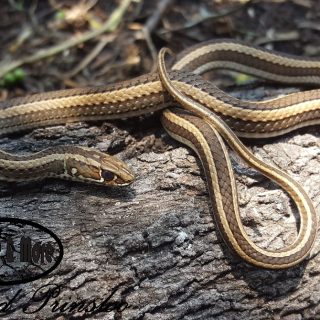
(109, 26)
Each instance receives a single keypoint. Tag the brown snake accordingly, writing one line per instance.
(221, 116)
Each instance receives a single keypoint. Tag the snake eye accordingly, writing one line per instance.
(107, 175)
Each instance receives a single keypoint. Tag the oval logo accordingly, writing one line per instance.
(28, 251)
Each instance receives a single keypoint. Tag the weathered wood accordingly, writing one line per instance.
(155, 242)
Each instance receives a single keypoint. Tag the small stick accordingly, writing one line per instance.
(91, 56)
(150, 25)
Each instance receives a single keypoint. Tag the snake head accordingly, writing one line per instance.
(115, 172)
(92, 166)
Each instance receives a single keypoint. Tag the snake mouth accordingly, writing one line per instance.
(122, 178)
(124, 181)
(124, 184)
(117, 182)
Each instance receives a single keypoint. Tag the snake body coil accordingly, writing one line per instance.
(216, 116)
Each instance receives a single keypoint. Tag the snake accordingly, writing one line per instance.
(205, 119)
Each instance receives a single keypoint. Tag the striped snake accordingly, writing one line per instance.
(208, 118)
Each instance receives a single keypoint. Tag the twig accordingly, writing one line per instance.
(208, 17)
(91, 56)
(151, 47)
(278, 37)
(153, 21)
(150, 25)
(110, 25)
